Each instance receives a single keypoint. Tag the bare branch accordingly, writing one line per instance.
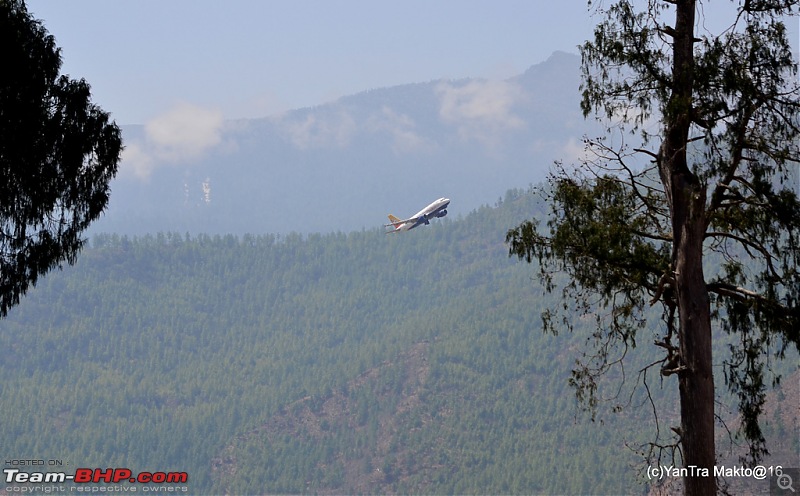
(749, 243)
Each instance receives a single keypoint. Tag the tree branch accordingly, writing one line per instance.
(747, 243)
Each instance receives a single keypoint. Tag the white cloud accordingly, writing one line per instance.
(401, 128)
(136, 159)
(185, 132)
(319, 130)
(481, 110)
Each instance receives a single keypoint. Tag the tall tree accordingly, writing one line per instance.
(58, 153)
(701, 215)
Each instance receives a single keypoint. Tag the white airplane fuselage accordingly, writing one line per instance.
(437, 208)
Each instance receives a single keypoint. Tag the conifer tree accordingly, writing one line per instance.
(700, 216)
(58, 152)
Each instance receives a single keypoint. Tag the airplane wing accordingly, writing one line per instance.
(401, 221)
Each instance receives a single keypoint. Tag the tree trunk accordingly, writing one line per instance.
(696, 382)
(687, 199)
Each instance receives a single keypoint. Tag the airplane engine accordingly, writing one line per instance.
(442, 213)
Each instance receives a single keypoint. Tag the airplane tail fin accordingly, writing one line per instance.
(395, 223)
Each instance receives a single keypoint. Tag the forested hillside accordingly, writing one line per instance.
(336, 363)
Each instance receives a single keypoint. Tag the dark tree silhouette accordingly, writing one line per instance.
(58, 153)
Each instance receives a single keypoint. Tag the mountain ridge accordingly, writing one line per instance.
(345, 164)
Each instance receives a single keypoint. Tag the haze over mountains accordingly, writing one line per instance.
(345, 164)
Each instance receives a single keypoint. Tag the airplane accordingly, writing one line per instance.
(435, 209)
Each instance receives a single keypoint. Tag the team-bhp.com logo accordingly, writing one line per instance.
(94, 475)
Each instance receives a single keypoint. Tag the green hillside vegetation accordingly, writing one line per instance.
(337, 363)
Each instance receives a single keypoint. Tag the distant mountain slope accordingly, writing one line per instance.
(344, 165)
(394, 409)
(335, 363)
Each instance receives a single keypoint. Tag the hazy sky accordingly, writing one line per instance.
(251, 58)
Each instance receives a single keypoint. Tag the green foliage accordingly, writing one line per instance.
(718, 188)
(58, 153)
(596, 239)
(339, 363)
(175, 353)
(596, 242)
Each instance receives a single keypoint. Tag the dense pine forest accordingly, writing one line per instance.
(328, 363)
